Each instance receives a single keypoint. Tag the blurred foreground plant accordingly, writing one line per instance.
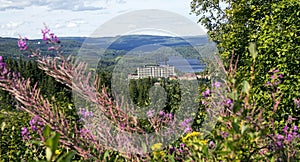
(86, 137)
(245, 131)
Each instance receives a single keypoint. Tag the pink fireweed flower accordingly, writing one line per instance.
(186, 122)
(150, 113)
(85, 113)
(54, 38)
(181, 145)
(211, 144)
(217, 84)
(278, 144)
(295, 128)
(49, 37)
(3, 69)
(25, 134)
(224, 134)
(285, 129)
(161, 113)
(188, 129)
(206, 93)
(122, 126)
(290, 138)
(36, 124)
(2, 65)
(45, 32)
(274, 71)
(262, 152)
(228, 102)
(268, 84)
(84, 132)
(22, 44)
(280, 137)
(170, 115)
(24, 131)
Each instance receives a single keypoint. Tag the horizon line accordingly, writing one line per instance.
(204, 35)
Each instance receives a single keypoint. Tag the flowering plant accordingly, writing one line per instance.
(244, 131)
(78, 135)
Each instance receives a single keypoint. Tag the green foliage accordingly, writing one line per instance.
(13, 119)
(139, 93)
(274, 26)
(52, 142)
(11, 143)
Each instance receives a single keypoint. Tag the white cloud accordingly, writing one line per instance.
(73, 5)
(9, 29)
(74, 17)
(56, 26)
(71, 25)
(11, 25)
(12, 4)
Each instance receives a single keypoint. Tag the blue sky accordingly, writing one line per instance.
(74, 17)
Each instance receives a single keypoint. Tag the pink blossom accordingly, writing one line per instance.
(22, 44)
(295, 128)
(206, 93)
(217, 84)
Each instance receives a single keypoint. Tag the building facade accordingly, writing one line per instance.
(154, 71)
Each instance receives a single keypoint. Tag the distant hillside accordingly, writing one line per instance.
(130, 42)
(9, 47)
(115, 45)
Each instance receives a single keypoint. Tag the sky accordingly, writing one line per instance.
(77, 17)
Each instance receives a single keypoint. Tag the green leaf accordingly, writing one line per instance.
(235, 127)
(52, 142)
(252, 50)
(246, 86)
(205, 150)
(144, 147)
(46, 131)
(49, 154)
(106, 154)
(116, 158)
(171, 158)
(3, 126)
(67, 157)
(236, 106)
(244, 128)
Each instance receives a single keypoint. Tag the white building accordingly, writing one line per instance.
(154, 71)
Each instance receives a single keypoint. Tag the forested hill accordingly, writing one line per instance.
(130, 42)
(9, 48)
